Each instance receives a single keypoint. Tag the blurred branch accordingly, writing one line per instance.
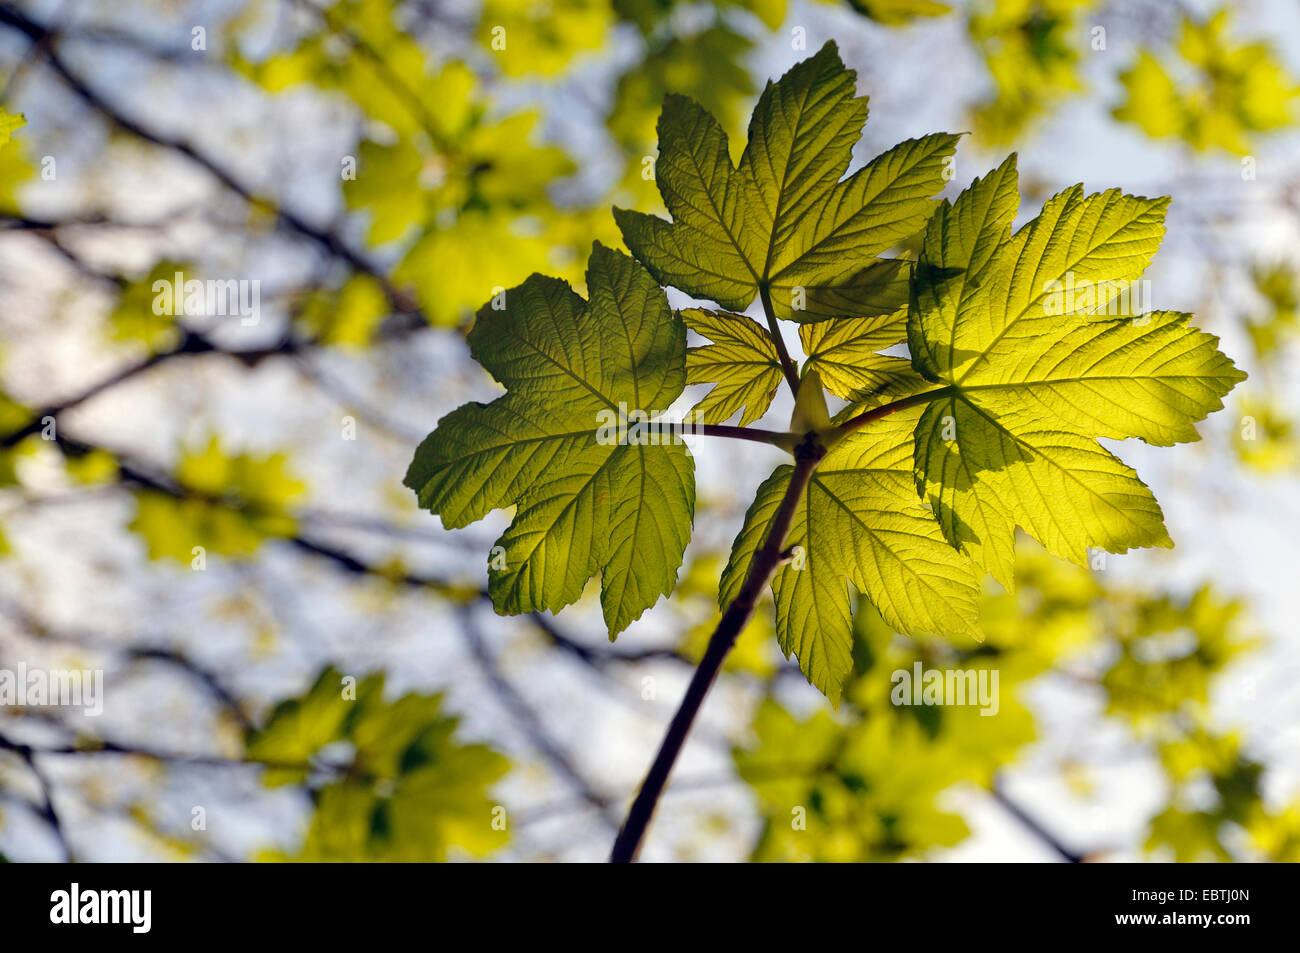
(530, 723)
(190, 343)
(102, 746)
(176, 659)
(46, 807)
(47, 39)
(1032, 825)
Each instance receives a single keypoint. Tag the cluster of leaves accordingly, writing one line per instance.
(871, 783)
(1231, 91)
(1206, 90)
(389, 780)
(226, 503)
(453, 186)
(1031, 51)
(450, 185)
(1267, 438)
(908, 509)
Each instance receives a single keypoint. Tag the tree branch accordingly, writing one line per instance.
(1032, 825)
(46, 808)
(807, 455)
(530, 724)
(329, 241)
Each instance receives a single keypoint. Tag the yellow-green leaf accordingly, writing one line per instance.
(1033, 341)
(783, 221)
(859, 523)
(741, 363)
(586, 501)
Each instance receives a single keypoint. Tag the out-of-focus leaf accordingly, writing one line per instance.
(1031, 50)
(141, 313)
(528, 38)
(401, 787)
(228, 505)
(1236, 92)
(1265, 438)
(348, 317)
(899, 12)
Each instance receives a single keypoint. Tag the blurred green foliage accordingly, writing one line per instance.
(226, 503)
(397, 784)
(1218, 95)
(870, 783)
(1032, 50)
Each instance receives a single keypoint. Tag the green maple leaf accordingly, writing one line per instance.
(1033, 375)
(1019, 362)
(783, 221)
(860, 522)
(742, 363)
(845, 353)
(583, 505)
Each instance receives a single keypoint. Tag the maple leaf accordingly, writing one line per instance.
(860, 522)
(990, 423)
(845, 352)
(782, 224)
(1032, 376)
(583, 505)
(742, 362)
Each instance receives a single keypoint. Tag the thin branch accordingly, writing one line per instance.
(46, 808)
(529, 723)
(1032, 825)
(190, 343)
(766, 560)
(329, 241)
(785, 441)
(177, 659)
(99, 746)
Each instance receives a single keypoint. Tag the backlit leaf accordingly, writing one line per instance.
(783, 220)
(584, 505)
(1033, 341)
(860, 523)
